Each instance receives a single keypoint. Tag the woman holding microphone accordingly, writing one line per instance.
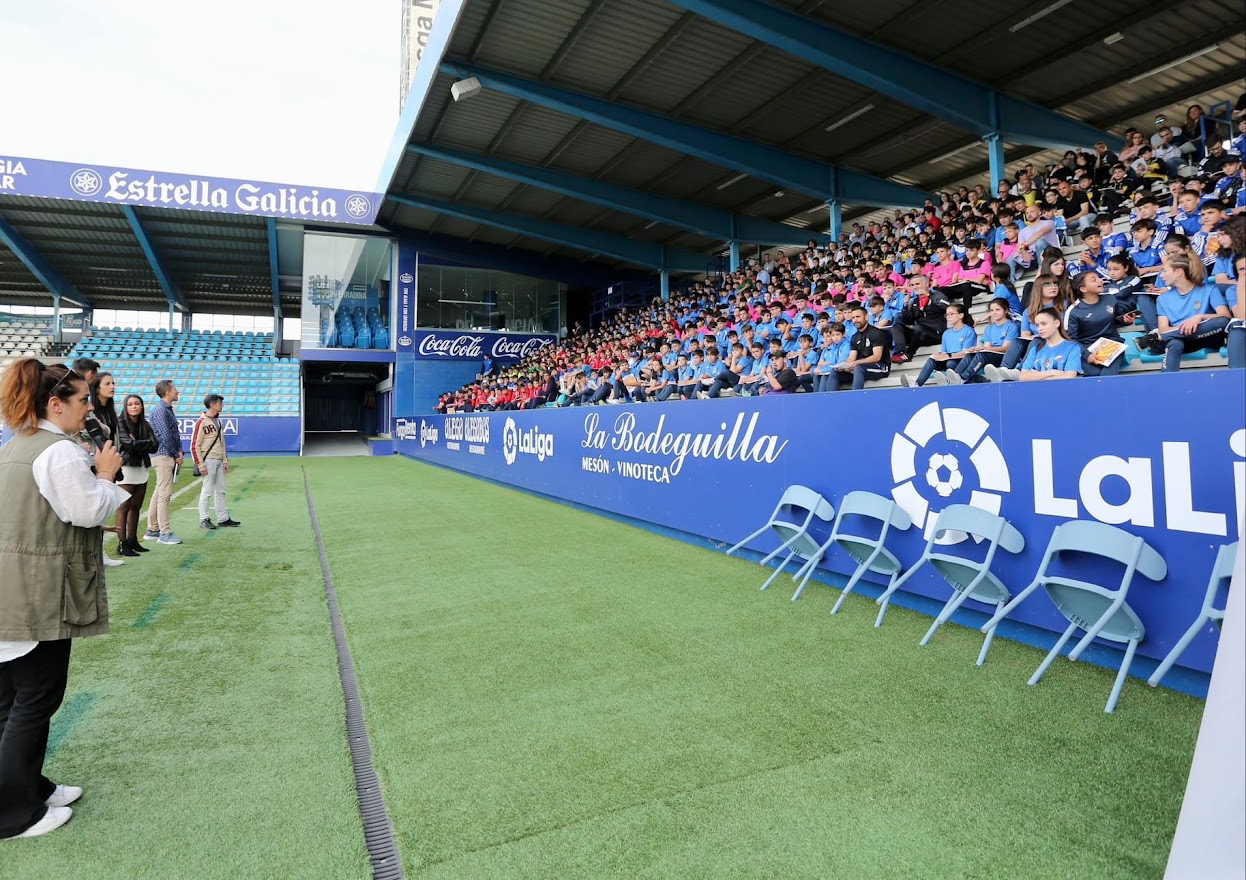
(51, 577)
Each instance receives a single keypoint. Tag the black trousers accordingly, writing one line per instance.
(31, 690)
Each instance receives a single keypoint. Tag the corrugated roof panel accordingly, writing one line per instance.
(535, 133)
(437, 178)
(592, 150)
(471, 21)
(640, 163)
(620, 35)
(700, 53)
(534, 202)
(475, 122)
(858, 18)
(523, 37)
(485, 189)
(456, 226)
(745, 88)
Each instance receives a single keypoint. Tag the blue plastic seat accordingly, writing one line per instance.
(791, 520)
(1214, 601)
(870, 552)
(1101, 611)
(968, 577)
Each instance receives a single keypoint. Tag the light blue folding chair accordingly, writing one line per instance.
(1101, 611)
(969, 578)
(1213, 611)
(792, 517)
(870, 553)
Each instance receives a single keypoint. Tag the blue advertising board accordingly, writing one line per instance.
(456, 345)
(135, 187)
(1160, 456)
(244, 435)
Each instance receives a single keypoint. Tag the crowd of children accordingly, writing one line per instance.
(838, 317)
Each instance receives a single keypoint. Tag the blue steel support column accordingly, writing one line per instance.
(275, 280)
(735, 256)
(995, 156)
(665, 278)
(837, 219)
(51, 279)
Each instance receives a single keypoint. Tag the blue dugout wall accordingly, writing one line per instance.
(1161, 456)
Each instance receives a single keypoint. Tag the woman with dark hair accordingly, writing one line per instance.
(51, 577)
(1053, 356)
(1047, 295)
(136, 442)
(1053, 264)
(104, 415)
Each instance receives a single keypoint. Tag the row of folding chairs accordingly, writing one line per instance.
(865, 520)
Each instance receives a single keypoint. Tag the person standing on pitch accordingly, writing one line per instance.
(168, 456)
(207, 445)
(51, 577)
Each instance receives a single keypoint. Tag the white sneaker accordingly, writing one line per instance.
(54, 818)
(1000, 374)
(951, 377)
(112, 563)
(938, 377)
(64, 796)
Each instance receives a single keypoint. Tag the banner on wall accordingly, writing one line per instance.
(135, 187)
(404, 318)
(456, 345)
(1039, 454)
(250, 435)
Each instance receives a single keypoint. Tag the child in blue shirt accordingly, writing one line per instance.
(956, 338)
(1052, 356)
(835, 351)
(1193, 313)
(998, 335)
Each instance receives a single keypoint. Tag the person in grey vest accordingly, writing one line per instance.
(51, 577)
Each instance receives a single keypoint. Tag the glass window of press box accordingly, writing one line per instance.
(346, 291)
(459, 298)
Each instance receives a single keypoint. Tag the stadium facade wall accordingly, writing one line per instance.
(1161, 456)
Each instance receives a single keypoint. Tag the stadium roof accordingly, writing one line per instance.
(640, 133)
(697, 62)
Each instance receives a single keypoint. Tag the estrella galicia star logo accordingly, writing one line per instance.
(358, 206)
(86, 182)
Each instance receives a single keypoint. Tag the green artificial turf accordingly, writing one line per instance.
(552, 694)
(207, 728)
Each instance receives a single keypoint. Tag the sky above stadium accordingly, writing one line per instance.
(289, 91)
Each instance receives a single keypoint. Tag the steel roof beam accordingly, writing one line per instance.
(651, 256)
(945, 95)
(757, 160)
(52, 280)
(681, 214)
(167, 284)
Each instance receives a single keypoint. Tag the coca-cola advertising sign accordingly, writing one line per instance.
(456, 346)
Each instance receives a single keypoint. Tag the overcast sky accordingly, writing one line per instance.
(289, 91)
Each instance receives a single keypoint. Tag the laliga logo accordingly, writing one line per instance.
(406, 277)
(86, 182)
(942, 472)
(529, 442)
(358, 206)
(428, 434)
